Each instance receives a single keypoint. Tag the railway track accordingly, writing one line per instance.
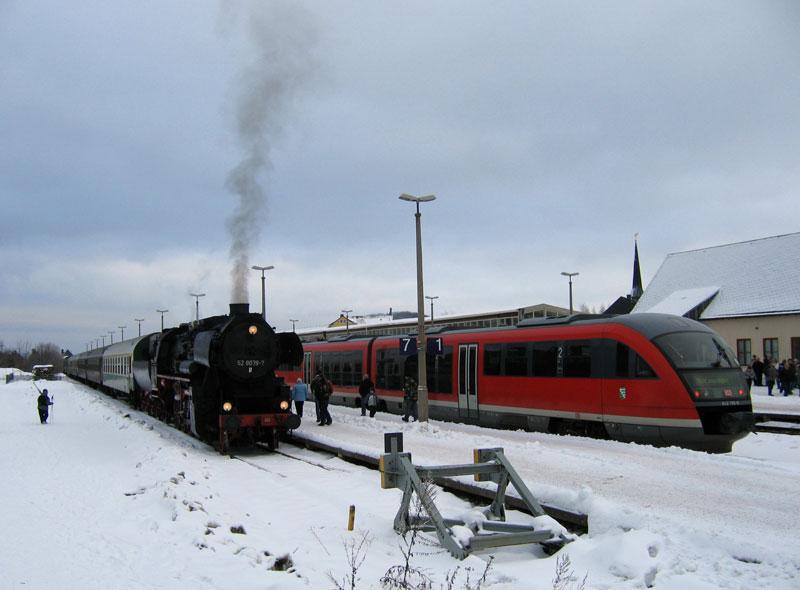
(777, 423)
(574, 521)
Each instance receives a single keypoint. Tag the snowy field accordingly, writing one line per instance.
(105, 497)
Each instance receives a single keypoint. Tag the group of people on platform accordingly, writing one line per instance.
(770, 373)
(322, 389)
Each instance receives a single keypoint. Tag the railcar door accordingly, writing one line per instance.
(307, 367)
(468, 382)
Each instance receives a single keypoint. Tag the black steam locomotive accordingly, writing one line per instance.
(214, 378)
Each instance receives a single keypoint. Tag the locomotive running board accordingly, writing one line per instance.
(398, 471)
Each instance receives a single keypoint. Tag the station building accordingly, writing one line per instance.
(749, 292)
(404, 323)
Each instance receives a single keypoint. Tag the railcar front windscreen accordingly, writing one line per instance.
(707, 364)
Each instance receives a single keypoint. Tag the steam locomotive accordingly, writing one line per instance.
(214, 378)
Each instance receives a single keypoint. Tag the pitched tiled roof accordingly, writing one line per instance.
(759, 277)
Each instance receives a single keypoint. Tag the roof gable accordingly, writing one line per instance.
(759, 277)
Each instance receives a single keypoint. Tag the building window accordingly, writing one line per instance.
(743, 351)
(795, 342)
(771, 349)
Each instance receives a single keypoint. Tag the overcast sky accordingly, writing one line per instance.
(550, 132)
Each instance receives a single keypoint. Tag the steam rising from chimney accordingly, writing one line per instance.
(282, 35)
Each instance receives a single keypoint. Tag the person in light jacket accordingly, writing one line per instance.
(299, 396)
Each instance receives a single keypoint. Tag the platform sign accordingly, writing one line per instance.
(408, 345)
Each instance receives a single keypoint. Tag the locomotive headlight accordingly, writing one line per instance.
(284, 405)
(253, 330)
(227, 406)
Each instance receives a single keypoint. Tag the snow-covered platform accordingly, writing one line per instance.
(115, 499)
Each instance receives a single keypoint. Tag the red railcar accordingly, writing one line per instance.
(651, 378)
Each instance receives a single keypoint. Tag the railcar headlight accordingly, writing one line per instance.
(253, 330)
(284, 405)
(227, 406)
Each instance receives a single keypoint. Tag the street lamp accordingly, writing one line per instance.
(422, 373)
(140, 324)
(347, 313)
(111, 333)
(431, 298)
(570, 275)
(121, 332)
(162, 312)
(293, 323)
(197, 297)
(263, 288)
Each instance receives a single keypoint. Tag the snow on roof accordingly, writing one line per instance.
(681, 302)
(758, 277)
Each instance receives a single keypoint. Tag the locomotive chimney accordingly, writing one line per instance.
(240, 309)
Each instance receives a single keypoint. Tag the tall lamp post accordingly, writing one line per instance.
(140, 320)
(162, 312)
(422, 372)
(104, 340)
(197, 297)
(431, 298)
(570, 275)
(263, 288)
(293, 323)
(111, 333)
(121, 332)
(347, 313)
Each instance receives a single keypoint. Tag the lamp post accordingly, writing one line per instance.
(121, 332)
(422, 373)
(570, 275)
(293, 323)
(140, 320)
(111, 333)
(347, 313)
(431, 298)
(197, 297)
(162, 312)
(263, 288)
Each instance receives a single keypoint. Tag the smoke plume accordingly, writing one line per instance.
(280, 36)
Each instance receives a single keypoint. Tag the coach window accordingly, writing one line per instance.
(641, 370)
(492, 359)
(545, 359)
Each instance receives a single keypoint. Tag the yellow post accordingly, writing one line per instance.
(351, 518)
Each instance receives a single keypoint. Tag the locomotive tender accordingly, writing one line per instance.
(214, 378)
(648, 378)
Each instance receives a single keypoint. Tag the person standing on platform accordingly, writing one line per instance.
(410, 399)
(771, 374)
(758, 369)
(299, 396)
(322, 389)
(749, 375)
(43, 404)
(364, 389)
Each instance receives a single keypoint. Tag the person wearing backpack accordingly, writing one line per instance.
(364, 389)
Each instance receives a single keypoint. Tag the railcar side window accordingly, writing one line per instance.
(577, 359)
(516, 360)
(545, 359)
(492, 359)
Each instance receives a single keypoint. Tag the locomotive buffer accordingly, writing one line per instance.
(398, 471)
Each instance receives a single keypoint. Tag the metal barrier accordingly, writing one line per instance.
(398, 471)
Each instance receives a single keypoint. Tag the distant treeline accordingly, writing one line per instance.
(24, 357)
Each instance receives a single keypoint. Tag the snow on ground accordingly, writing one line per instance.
(105, 497)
